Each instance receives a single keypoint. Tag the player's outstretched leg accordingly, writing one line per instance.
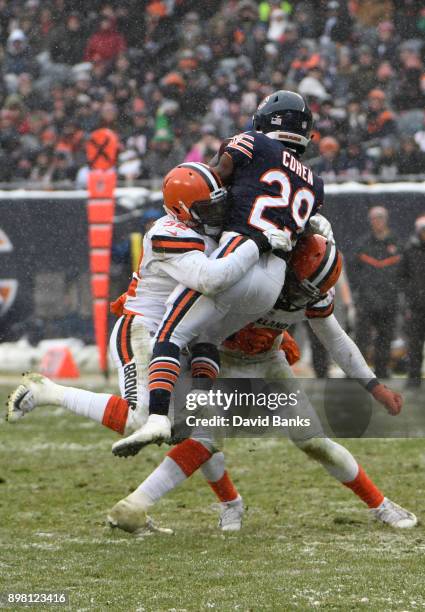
(341, 464)
(37, 390)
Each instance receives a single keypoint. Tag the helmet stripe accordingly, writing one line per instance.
(328, 262)
(206, 174)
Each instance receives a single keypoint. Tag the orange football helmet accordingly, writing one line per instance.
(313, 268)
(194, 194)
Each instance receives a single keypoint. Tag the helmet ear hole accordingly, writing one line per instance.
(176, 210)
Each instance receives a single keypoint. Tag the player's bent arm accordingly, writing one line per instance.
(210, 276)
(343, 350)
(347, 355)
(223, 167)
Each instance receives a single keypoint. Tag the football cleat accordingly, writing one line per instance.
(394, 515)
(34, 390)
(231, 514)
(157, 429)
(131, 516)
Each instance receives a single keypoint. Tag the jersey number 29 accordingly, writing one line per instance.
(301, 203)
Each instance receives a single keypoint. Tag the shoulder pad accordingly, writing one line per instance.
(170, 236)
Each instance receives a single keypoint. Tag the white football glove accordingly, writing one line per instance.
(278, 239)
(320, 225)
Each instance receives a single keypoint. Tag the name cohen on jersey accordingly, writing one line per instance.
(290, 162)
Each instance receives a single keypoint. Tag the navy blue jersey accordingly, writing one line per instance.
(270, 187)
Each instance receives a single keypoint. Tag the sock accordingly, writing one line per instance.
(110, 410)
(164, 370)
(182, 461)
(224, 488)
(205, 364)
(218, 479)
(364, 488)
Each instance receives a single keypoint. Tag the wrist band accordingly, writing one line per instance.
(372, 384)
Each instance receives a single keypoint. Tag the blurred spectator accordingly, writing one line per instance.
(386, 80)
(140, 132)
(42, 170)
(364, 75)
(411, 158)
(307, 58)
(129, 166)
(376, 283)
(380, 120)
(387, 165)
(386, 42)
(409, 92)
(163, 156)
(65, 41)
(19, 57)
(278, 24)
(62, 168)
(337, 26)
(106, 43)
(330, 162)
(412, 274)
(354, 163)
(206, 148)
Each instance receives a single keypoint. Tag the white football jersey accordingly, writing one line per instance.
(167, 240)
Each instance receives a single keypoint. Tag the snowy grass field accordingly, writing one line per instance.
(307, 542)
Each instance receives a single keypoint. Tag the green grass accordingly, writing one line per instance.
(307, 542)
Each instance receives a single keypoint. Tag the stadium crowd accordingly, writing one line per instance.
(173, 77)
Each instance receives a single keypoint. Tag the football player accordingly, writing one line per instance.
(254, 352)
(272, 196)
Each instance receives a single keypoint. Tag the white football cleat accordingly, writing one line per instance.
(156, 429)
(231, 514)
(131, 516)
(394, 515)
(35, 390)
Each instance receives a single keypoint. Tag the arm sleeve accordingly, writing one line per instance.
(210, 276)
(342, 349)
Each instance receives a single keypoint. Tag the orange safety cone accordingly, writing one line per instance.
(58, 362)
